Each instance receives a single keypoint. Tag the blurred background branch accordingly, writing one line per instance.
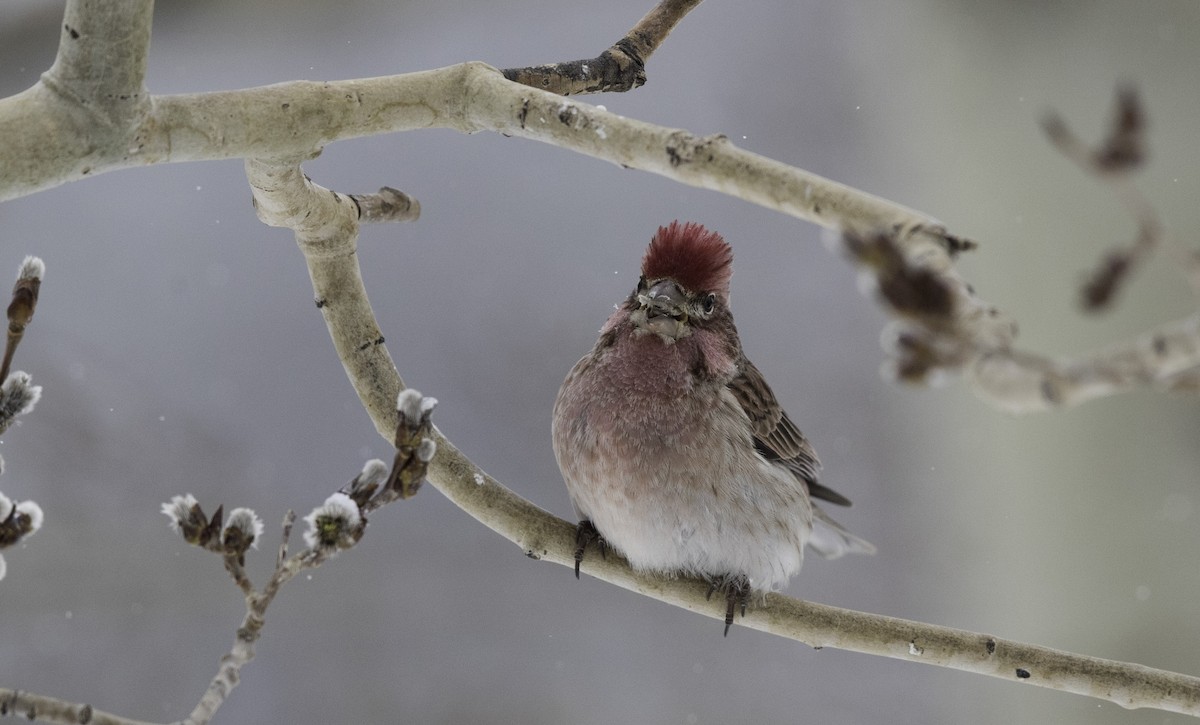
(326, 232)
(224, 125)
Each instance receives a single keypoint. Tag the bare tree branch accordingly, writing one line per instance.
(620, 68)
(57, 132)
(937, 328)
(1121, 153)
(540, 535)
(40, 708)
(297, 119)
(338, 524)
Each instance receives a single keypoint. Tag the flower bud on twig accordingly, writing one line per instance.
(242, 531)
(334, 525)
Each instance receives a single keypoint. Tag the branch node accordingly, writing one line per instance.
(387, 205)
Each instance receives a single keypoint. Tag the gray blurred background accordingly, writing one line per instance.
(180, 352)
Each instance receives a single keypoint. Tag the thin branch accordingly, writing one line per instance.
(540, 535)
(30, 706)
(51, 139)
(940, 329)
(937, 328)
(338, 524)
(622, 67)
(1121, 153)
(1018, 381)
(44, 147)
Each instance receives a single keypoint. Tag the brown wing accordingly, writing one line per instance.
(775, 435)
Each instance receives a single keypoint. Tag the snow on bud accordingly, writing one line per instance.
(414, 406)
(374, 472)
(188, 520)
(242, 530)
(17, 396)
(32, 268)
(426, 450)
(179, 510)
(366, 483)
(335, 524)
(413, 449)
(33, 513)
(18, 520)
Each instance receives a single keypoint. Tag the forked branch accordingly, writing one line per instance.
(53, 135)
(621, 67)
(540, 535)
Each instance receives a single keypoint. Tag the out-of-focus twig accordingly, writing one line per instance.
(1113, 161)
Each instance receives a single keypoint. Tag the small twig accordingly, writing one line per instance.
(31, 707)
(1122, 151)
(387, 205)
(336, 525)
(289, 519)
(920, 281)
(1113, 161)
(620, 68)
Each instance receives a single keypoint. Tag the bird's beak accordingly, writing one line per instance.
(665, 310)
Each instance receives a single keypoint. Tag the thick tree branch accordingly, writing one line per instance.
(101, 61)
(620, 68)
(80, 121)
(50, 140)
(338, 286)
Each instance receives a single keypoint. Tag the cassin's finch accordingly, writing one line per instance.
(675, 451)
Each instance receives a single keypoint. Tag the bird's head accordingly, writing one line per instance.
(684, 284)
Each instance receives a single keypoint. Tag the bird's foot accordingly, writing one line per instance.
(736, 588)
(586, 534)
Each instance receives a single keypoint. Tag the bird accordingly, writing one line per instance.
(675, 451)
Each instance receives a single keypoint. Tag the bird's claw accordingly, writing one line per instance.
(585, 534)
(736, 589)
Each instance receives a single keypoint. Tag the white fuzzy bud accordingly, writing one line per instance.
(426, 450)
(18, 395)
(179, 510)
(334, 524)
(245, 522)
(374, 472)
(413, 406)
(34, 512)
(32, 268)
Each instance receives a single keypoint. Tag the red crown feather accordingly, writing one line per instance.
(692, 256)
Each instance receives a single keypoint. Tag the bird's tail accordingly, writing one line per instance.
(831, 540)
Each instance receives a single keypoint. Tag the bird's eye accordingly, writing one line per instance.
(709, 303)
